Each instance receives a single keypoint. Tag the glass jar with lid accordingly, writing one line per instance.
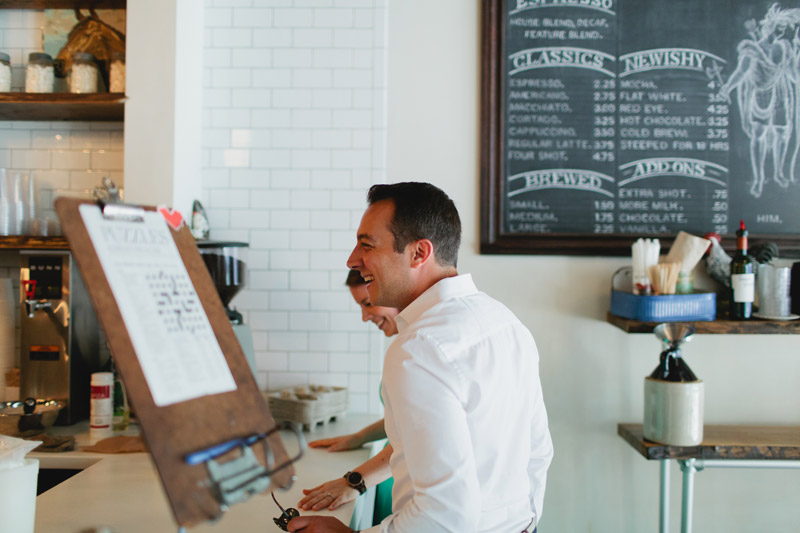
(39, 75)
(116, 75)
(5, 72)
(83, 74)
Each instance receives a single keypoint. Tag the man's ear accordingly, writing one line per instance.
(421, 252)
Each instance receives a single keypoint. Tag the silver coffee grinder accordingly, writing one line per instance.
(59, 341)
(225, 261)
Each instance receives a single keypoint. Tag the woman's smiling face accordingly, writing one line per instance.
(383, 317)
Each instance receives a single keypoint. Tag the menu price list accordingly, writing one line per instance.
(673, 156)
(560, 95)
(673, 133)
(607, 137)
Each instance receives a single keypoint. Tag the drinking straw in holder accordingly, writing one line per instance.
(645, 254)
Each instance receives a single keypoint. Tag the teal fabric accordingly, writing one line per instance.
(383, 501)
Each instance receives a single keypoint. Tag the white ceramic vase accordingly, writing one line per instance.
(673, 412)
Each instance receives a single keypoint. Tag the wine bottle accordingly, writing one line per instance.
(743, 278)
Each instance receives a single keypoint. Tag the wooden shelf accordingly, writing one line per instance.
(62, 4)
(62, 106)
(754, 326)
(722, 442)
(33, 242)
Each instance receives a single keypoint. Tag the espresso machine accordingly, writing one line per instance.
(59, 333)
(225, 263)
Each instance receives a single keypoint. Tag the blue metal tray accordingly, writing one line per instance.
(700, 306)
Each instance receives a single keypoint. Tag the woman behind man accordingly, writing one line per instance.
(376, 471)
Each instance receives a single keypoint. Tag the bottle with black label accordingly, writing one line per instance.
(743, 278)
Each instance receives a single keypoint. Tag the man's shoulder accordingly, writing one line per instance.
(463, 320)
(473, 306)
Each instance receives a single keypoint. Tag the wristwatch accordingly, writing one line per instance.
(356, 480)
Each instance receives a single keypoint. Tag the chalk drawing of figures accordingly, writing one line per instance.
(767, 80)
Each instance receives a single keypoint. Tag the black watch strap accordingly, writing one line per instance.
(356, 480)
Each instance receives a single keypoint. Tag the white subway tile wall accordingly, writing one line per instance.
(294, 115)
(294, 133)
(65, 158)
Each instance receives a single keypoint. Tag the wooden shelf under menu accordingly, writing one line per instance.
(753, 326)
(33, 242)
(62, 106)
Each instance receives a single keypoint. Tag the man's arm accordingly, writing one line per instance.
(540, 457)
(317, 524)
(431, 423)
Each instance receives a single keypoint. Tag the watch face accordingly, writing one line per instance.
(354, 478)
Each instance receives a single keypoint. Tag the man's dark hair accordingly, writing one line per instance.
(422, 211)
(354, 279)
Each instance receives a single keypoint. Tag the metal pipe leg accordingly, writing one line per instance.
(663, 507)
(689, 469)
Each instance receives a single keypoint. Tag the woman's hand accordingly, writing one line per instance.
(339, 444)
(330, 495)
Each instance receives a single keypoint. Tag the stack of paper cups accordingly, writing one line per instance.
(7, 321)
(32, 204)
(5, 204)
(18, 496)
(19, 211)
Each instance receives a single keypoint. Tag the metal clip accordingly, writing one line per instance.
(238, 479)
(110, 202)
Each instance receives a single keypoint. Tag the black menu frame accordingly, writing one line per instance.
(492, 113)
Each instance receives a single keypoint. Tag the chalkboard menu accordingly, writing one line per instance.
(607, 120)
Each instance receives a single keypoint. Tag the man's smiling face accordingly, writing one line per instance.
(387, 272)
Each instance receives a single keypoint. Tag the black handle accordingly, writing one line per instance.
(28, 406)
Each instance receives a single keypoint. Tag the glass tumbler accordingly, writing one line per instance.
(5, 204)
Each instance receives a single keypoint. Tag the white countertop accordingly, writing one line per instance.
(123, 491)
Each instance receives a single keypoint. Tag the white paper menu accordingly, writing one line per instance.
(179, 354)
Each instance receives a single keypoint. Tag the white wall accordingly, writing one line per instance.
(592, 373)
(293, 136)
(163, 112)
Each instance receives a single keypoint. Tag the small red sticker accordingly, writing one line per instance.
(173, 217)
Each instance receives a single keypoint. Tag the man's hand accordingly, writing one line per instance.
(318, 524)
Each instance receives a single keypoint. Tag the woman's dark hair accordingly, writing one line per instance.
(354, 279)
(422, 211)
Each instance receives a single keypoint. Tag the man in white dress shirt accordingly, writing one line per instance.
(464, 407)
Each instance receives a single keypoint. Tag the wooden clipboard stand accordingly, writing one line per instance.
(212, 451)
